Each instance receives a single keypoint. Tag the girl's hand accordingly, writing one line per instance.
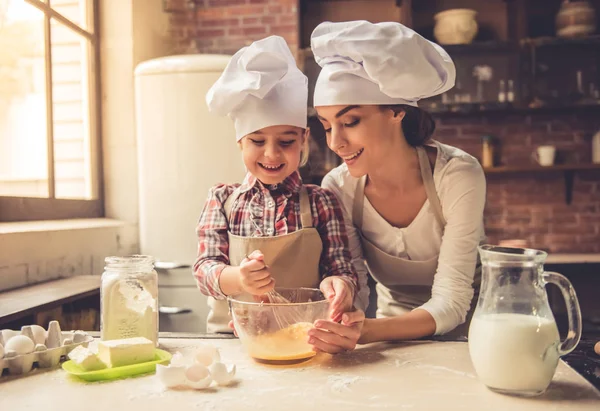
(255, 277)
(339, 293)
(333, 338)
(233, 328)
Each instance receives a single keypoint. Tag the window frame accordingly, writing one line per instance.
(51, 208)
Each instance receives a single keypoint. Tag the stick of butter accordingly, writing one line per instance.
(117, 353)
(86, 359)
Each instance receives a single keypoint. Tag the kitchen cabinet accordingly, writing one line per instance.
(183, 308)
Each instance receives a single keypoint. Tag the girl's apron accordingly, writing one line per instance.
(402, 284)
(293, 259)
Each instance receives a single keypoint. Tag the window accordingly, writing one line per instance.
(49, 111)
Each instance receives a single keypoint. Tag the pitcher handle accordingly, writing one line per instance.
(573, 310)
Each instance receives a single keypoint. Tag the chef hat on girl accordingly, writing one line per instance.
(261, 87)
(383, 63)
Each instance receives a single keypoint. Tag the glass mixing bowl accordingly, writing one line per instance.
(278, 332)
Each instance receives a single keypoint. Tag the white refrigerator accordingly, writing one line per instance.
(183, 151)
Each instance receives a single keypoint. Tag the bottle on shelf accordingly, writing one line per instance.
(510, 96)
(487, 157)
(596, 148)
(501, 93)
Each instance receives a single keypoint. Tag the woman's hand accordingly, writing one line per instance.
(333, 338)
(255, 277)
(340, 294)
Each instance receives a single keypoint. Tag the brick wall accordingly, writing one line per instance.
(224, 26)
(532, 206)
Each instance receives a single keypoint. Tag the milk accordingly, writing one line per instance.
(514, 352)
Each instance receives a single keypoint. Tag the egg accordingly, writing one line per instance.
(1, 351)
(197, 376)
(171, 376)
(39, 334)
(206, 355)
(20, 344)
(221, 374)
(597, 348)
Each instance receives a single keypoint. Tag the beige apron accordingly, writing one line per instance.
(402, 284)
(293, 258)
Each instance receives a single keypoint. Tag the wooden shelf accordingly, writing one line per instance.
(541, 169)
(568, 171)
(469, 109)
(481, 47)
(593, 40)
(31, 299)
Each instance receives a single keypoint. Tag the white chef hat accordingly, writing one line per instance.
(383, 63)
(261, 87)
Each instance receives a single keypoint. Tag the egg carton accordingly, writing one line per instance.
(42, 347)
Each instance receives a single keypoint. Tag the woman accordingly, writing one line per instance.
(413, 206)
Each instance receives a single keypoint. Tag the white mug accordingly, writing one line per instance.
(545, 155)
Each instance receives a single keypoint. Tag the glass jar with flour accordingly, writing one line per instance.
(129, 298)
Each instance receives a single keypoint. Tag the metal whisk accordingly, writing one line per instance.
(284, 316)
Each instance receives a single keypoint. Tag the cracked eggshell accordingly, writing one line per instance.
(207, 355)
(197, 376)
(79, 336)
(171, 376)
(221, 374)
(177, 360)
(20, 344)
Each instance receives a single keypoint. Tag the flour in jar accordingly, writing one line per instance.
(514, 352)
(129, 308)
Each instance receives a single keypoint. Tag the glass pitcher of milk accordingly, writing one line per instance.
(513, 338)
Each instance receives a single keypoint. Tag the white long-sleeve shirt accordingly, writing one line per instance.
(460, 184)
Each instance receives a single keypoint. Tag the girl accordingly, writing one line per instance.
(270, 229)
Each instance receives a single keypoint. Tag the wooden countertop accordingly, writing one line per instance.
(27, 300)
(421, 375)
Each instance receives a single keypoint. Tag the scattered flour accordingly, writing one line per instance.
(400, 363)
(207, 405)
(341, 383)
(450, 370)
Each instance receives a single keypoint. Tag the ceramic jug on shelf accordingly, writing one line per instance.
(513, 338)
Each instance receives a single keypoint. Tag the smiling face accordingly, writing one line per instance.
(363, 136)
(273, 153)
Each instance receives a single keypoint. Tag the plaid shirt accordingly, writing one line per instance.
(267, 211)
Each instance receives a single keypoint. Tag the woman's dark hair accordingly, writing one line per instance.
(417, 124)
